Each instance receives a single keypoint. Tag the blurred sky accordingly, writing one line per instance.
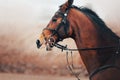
(27, 18)
(33, 11)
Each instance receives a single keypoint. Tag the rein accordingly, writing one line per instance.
(82, 49)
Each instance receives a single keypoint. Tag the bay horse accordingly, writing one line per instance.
(101, 54)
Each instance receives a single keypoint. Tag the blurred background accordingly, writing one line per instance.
(21, 22)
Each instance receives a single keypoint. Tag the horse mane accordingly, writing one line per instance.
(96, 20)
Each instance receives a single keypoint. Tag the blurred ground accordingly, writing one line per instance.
(34, 77)
(16, 62)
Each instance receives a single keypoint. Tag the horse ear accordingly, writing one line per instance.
(66, 5)
(70, 2)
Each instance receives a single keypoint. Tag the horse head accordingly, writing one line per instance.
(57, 29)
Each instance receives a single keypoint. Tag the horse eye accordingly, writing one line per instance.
(54, 20)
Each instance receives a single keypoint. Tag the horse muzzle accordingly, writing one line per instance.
(48, 42)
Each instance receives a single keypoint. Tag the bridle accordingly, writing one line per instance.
(65, 23)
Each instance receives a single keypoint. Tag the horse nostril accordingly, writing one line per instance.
(38, 44)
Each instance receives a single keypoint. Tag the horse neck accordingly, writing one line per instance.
(86, 35)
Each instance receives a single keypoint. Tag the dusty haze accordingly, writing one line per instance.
(24, 19)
